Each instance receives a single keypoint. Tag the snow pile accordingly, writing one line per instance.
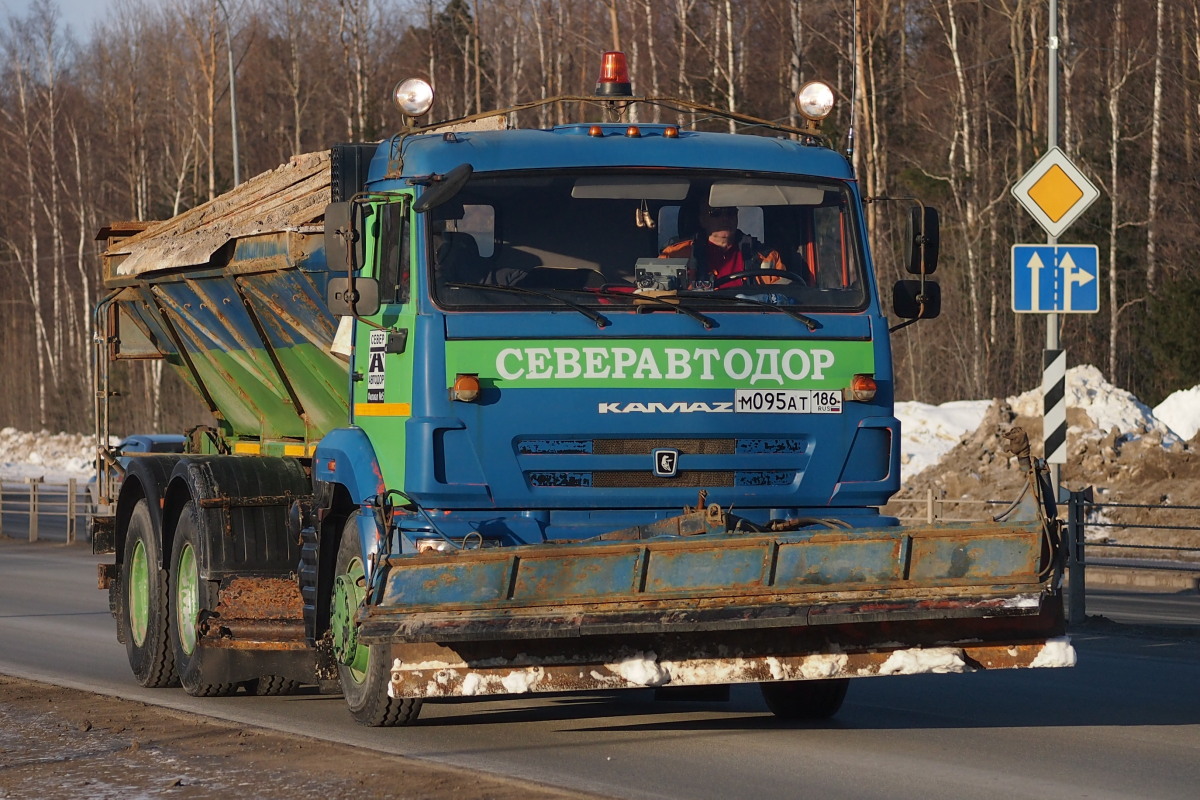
(919, 661)
(642, 669)
(928, 432)
(1107, 406)
(1057, 652)
(1181, 412)
(54, 457)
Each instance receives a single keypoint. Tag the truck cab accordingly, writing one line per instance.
(542, 281)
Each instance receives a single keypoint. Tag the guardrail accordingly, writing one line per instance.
(933, 508)
(34, 499)
(1181, 543)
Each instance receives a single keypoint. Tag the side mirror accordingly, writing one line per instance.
(923, 242)
(339, 229)
(347, 299)
(917, 300)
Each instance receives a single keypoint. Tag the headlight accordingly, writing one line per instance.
(472, 541)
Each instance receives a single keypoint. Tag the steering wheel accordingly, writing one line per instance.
(757, 273)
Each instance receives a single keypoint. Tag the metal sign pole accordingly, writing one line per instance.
(1053, 355)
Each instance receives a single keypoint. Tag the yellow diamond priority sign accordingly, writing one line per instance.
(1055, 192)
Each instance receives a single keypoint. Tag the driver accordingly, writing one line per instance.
(719, 249)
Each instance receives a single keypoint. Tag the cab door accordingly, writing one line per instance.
(384, 341)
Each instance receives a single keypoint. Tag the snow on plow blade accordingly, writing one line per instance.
(718, 608)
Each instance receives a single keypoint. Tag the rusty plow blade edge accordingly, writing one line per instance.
(446, 675)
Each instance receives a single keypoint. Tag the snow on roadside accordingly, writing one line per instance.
(54, 457)
(1106, 405)
(929, 432)
(1181, 412)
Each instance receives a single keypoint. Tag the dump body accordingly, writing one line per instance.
(549, 458)
(232, 294)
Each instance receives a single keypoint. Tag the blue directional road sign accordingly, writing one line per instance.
(1055, 279)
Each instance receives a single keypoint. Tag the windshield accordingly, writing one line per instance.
(617, 239)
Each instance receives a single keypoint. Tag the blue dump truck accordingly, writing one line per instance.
(482, 426)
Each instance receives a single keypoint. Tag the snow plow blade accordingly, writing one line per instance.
(719, 607)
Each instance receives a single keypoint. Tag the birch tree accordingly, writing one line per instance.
(1156, 115)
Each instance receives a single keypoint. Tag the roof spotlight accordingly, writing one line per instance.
(814, 101)
(413, 96)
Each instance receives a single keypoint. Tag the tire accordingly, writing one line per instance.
(142, 608)
(363, 671)
(271, 686)
(191, 598)
(805, 700)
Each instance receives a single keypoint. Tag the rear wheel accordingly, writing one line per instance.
(142, 610)
(363, 671)
(272, 686)
(800, 700)
(191, 597)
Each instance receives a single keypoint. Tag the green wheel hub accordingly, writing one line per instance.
(187, 598)
(348, 593)
(139, 594)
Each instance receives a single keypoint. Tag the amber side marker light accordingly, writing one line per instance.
(466, 387)
(862, 388)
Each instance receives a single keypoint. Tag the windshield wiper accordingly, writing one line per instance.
(596, 317)
(678, 308)
(806, 320)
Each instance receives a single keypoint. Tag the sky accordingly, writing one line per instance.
(79, 15)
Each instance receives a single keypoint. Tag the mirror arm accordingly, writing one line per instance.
(350, 236)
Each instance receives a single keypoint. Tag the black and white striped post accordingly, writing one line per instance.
(1054, 407)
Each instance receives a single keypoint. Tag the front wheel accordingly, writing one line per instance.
(191, 597)
(363, 671)
(142, 607)
(805, 700)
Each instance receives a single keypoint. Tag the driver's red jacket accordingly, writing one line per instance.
(711, 263)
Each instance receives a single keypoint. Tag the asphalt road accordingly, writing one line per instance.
(1124, 723)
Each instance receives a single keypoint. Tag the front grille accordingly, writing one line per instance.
(637, 447)
(628, 479)
(630, 447)
(626, 447)
(584, 475)
(648, 480)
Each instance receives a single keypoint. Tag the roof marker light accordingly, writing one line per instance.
(595, 130)
(633, 132)
(614, 76)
